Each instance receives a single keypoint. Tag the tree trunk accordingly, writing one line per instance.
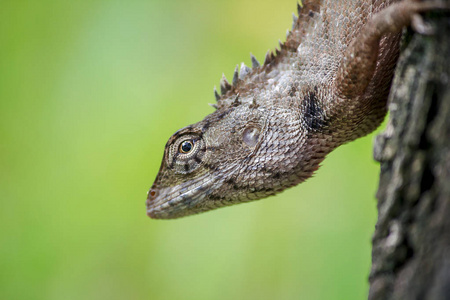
(411, 243)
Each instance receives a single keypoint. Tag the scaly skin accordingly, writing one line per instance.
(326, 85)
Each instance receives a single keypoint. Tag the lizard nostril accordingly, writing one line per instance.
(152, 193)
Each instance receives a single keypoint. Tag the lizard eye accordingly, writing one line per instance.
(185, 153)
(186, 146)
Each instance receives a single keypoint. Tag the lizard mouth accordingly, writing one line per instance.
(181, 200)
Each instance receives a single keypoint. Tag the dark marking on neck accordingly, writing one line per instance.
(313, 113)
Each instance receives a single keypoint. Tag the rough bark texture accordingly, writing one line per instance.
(411, 243)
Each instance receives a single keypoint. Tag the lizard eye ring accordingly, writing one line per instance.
(185, 152)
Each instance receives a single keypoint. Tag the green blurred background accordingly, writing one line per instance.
(90, 91)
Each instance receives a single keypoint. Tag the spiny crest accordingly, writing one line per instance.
(216, 94)
(225, 86)
(241, 73)
(255, 62)
(244, 71)
(236, 76)
(294, 21)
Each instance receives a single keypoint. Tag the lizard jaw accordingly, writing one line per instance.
(176, 202)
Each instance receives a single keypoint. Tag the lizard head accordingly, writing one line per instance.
(237, 154)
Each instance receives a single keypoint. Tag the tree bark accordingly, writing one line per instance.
(411, 243)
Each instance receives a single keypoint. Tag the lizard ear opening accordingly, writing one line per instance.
(251, 135)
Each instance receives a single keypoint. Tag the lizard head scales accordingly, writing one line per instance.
(239, 153)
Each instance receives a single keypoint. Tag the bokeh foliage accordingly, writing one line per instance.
(90, 91)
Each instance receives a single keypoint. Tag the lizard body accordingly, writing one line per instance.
(275, 123)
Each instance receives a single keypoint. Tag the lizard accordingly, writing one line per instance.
(274, 124)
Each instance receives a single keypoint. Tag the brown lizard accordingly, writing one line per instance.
(274, 124)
